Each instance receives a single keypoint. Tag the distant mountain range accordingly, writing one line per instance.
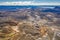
(44, 8)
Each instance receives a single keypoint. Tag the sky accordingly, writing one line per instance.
(29, 2)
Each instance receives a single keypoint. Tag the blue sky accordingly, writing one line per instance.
(29, 2)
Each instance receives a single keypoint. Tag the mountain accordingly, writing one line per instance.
(29, 22)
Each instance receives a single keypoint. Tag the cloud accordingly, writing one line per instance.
(28, 3)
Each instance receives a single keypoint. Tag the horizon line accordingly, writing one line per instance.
(29, 3)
